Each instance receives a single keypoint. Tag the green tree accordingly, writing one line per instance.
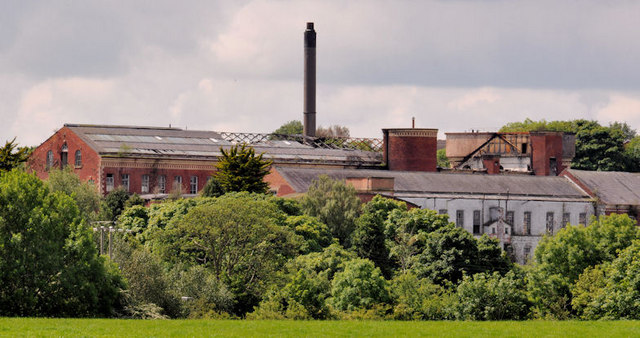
(611, 291)
(420, 299)
(84, 194)
(443, 160)
(599, 148)
(238, 238)
(561, 259)
(632, 153)
(451, 252)
(407, 231)
(240, 169)
(335, 204)
(316, 234)
(11, 156)
(49, 265)
(368, 239)
(293, 127)
(492, 297)
(113, 204)
(212, 188)
(359, 286)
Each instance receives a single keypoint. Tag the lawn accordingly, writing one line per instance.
(146, 328)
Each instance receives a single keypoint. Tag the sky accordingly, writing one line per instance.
(238, 65)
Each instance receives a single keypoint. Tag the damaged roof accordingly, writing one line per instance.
(420, 183)
(135, 141)
(611, 187)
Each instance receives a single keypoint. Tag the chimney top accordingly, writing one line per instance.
(310, 26)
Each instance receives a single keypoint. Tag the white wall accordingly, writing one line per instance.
(519, 240)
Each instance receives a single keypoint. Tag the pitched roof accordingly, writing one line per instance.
(162, 142)
(425, 183)
(611, 187)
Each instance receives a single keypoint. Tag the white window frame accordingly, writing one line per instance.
(144, 185)
(109, 182)
(125, 180)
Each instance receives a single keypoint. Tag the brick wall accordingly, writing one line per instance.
(410, 149)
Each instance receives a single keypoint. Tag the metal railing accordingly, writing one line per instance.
(365, 144)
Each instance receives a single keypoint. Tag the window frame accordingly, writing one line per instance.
(78, 159)
(144, 184)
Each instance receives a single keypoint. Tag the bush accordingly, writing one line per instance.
(359, 286)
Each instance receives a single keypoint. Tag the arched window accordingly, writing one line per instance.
(49, 159)
(63, 156)
(78, 158)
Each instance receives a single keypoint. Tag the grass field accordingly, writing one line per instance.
(148, 328)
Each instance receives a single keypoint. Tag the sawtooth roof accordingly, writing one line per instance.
(421, 183)
(136, 141)
(611, 187)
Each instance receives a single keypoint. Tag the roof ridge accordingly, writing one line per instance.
(80, 125)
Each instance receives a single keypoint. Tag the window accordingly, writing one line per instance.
(476, 221)
(566, 219)
(526, 252)
(460, 218)
(526, 224)
(145, 184)
(523, 148)
(550, 222)
(583, 218)
(509, 218)
(442, 212)
(125, 181)
(506, 230)
(78, 160)
(177, 183)
(109, 182)
(49, 159)
(193, 185)
(162, 184)
(63, 156)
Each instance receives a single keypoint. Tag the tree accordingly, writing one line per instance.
(451, 252)
(335, 204)
(84, 194)
(113, 204)
(238, 238)
(240, 169)
(420, 299)
(332, 131)
(49, 265)
(11, 156)
(612, 290)
(359, 286)
(212, 188)
(632, 153)
(561, 259)
(316, 234)
(368, 238)
(492, 297)
(293, 127)
(443, 160)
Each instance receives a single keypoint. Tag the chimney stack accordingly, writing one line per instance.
(310, 81)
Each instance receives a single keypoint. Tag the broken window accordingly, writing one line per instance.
(78, 159)
(550, 222)
(109, 182)
(144, 188)
(162, 184)
(476, 221)
(63, 156)
(509, 218)
(125, 181)
(460, 218)
(194, 185)
(566, 219)
(526, 224)
(442, 212)
(49, 159)
(582, 218)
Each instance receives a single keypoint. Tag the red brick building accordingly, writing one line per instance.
(156, 160)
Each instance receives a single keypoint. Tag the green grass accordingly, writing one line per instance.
(37, 327)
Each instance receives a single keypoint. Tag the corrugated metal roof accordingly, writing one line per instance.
(441, 183)
(611, 187)
(179, 143)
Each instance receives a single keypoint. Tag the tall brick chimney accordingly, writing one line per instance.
(411, 149)
(309, 81)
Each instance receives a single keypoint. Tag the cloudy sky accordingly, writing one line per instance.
(237, 65)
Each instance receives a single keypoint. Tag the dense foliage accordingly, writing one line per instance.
(12, 156)
(240, 169)
(49, 265)
(325, 256)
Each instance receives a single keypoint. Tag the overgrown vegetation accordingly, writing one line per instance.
(323, 256)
